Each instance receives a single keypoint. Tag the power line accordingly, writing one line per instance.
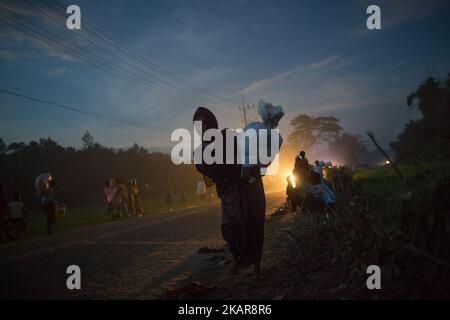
(96, 61)
(74, 109)
(77, 53)
(81, 55)
(133, 54)
(108, 52)
(33, 33)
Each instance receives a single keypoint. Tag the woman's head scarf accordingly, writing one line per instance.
(207, 117)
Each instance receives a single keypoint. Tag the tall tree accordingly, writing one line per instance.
(427, 138)
(309, 131)
(88, 140)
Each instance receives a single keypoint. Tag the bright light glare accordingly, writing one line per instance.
(292, 179)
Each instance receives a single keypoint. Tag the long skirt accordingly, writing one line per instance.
(233, 223)
(253, 202)
(243, 215)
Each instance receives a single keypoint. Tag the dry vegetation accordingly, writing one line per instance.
(404, 229)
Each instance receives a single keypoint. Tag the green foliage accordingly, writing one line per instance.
(427, 138)
(407, 231)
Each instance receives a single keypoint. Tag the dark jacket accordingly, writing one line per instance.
(221, 173)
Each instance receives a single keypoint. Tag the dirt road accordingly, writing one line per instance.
(134, 259)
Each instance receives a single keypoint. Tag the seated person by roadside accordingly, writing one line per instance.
(297, 188)
(291, 195)
(319, 196)
(318, 167)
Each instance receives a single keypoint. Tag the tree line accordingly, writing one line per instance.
(80, 174)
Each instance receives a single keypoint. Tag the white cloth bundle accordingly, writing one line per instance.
(42, 183)
(252, 142)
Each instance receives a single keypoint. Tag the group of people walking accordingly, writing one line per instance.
(122, 199)
(13, 214)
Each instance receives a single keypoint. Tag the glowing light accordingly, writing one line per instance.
(292, 179)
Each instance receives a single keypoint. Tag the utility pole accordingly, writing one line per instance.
(244, 109)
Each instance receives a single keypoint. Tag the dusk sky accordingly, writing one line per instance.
(318, 59)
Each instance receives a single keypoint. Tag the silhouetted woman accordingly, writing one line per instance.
(242, 213)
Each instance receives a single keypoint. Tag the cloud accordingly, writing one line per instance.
(20, 32)
(326, 85)
(336, 86)
(290, 74)
(12, 55)
(214, 73)
(57, 72)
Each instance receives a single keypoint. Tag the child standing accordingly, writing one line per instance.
(18, 214)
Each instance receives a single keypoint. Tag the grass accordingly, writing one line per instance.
(82, 216)
(407, 228)
(402, 227)
(383, 182)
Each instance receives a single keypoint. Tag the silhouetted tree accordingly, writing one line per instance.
(427, 139)
(88, 140)
(309, 131)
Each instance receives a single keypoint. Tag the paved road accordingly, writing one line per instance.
(134, 259)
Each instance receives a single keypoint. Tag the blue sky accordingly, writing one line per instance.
(313, 57)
